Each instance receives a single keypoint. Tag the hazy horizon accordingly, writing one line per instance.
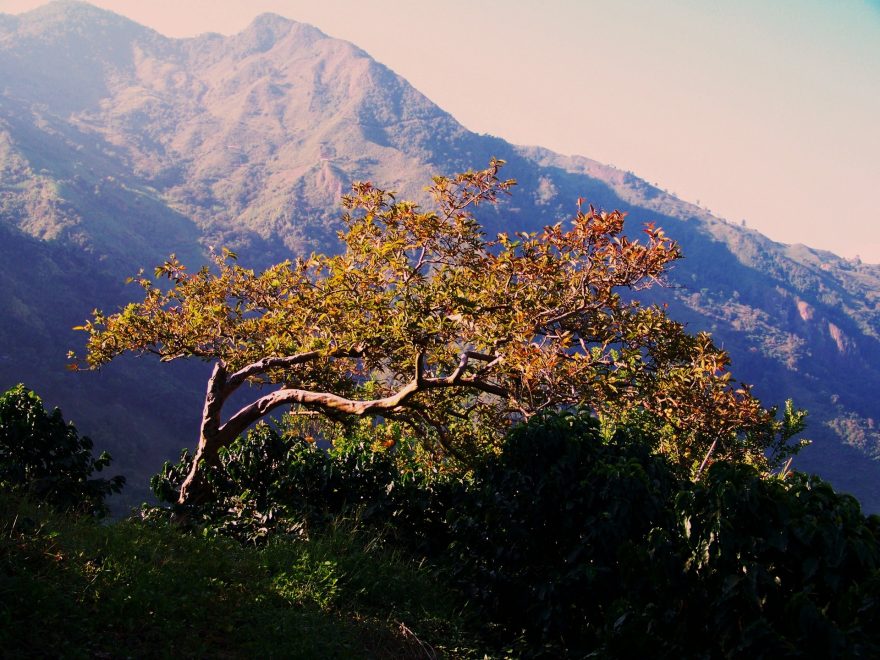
(756, 111)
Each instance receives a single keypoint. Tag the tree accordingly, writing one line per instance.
(47, 459)
(423, 320)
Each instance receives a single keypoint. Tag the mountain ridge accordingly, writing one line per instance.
(248, 141)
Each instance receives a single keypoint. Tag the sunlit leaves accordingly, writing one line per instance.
(477, 330)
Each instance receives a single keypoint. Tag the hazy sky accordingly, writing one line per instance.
(760, 110)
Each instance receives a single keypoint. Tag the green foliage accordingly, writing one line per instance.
(47, 459)
(73, 588)
(555, 525)
(576, 538)
(778, 565)
(274, 480)
(578, 544)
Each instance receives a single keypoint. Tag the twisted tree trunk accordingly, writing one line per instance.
(215, 434)
(194, 488)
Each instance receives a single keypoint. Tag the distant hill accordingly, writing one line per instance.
(119, 146)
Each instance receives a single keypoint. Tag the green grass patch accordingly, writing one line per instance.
(79, 588)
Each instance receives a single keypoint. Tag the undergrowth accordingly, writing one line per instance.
(78, 588)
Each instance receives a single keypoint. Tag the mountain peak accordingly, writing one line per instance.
(266, 30)
(60, 54)
(58, 7)
(76, 17)
(65, 10)
(271, 20)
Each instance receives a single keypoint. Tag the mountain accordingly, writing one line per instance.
(119, 146)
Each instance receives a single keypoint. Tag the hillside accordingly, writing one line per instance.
(119, 146)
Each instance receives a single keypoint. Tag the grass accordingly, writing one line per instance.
(78, 588)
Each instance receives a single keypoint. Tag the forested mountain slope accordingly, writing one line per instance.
(119, 146)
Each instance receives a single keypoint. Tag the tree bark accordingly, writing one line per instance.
(194, 488)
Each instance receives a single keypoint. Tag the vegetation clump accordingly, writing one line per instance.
(276, 481)
(573, 540)
(574, 543)
(45, 458)
(73, 588)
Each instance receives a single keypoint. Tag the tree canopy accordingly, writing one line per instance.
(424, 320)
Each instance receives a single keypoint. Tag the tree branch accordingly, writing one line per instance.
(324, 400)
(457, 377)
(475, 383)
(262, 366)
(332, 403)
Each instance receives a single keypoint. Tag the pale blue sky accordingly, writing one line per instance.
(763, 110)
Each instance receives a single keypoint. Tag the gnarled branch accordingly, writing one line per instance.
(262, 366)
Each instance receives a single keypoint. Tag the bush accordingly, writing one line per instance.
(577, 544)
(775, 566)
(46, 459)
(276, 481)
(555, 524)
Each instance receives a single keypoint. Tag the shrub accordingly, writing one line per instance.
(555, 523)
(575, 543)
(273, 480)
(775, 566)
(46, 458)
